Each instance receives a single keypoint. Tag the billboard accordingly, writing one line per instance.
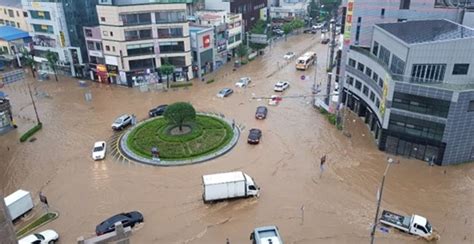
(348, 24)
(206, 41)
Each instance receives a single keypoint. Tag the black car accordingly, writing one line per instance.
(310, 30)
(158, 110)
(254, 136)
(127, 219)
(261, 112)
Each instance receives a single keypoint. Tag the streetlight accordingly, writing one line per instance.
(379, 199)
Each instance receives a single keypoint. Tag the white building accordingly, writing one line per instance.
(289, 9)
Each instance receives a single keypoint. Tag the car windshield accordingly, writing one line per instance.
(428, 226)
(98, 149)
(279, 85)
(39, 236)
(289, 53)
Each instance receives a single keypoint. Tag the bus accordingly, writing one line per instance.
(303, 62)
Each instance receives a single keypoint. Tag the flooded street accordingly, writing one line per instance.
(338, 207)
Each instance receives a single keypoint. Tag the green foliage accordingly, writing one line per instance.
(31, 132)
(179, 113)
(313, 9)
(208, 134)
(52, 61)
(242, 51)
(259, 27)
(40, 221)
(167, 69)
(287, 28)
(28, 60)
(244, 62)
(257, 46)
(181, 85)
(293, 25)
(210, 81)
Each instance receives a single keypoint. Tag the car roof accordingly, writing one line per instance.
(261, 107)
(98, 143)
(254, 130)
(123, 116)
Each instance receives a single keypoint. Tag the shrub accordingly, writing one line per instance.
(210, 81)
(31, 132)
(178, 85)
(244, 62)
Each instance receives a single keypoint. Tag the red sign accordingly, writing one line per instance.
(206, 40)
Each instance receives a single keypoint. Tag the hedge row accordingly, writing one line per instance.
(31, 132)
(181, 85)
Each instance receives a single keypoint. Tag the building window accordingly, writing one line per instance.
(375, 48)
(17, 14)
(398, 65)
(350, 80)
(107, 48)
(2, 22)
(173, 32)
(421, 104)
(90, 45)
(142, 64)
(359, 20)
(358, 85)
(88, 32)
(365, 90)
(416, 127)
(405, 4)
(40, 15)
(10, 13)
(175, 61)
(18, 24)
(111, 33)
(428, 73)
(384, 55)
(171, 47)
(43, 29)
(377, 103)
(170, 16)
(471, 106)
(360, 67)
(136, 19)
(381, 83)
(382, 13)
(375, 76)
(102, 19)
(138, 35)
(372, 96)
(140, 49)
(113, 48)
(25, 14)
(460, 69)
(352, 63)
(368, 72)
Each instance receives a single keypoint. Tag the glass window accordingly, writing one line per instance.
(10, 13)
(368, 72)
(380, 82)
(460, 69)
(175, 61)
(471, 106)
(90, 45)
(136, 19)
(170, 16)
(428, 73)
(375, 76)
(88, 32)
(140, 49)
(350, 80)
(372, 96)
(416, 127)
(360, 67)
(107, 48)
(375, 48)
(405, 4)
(173, 32)
(352, 63)
(102, 19)
(384, 55)
(421, 104)
(138, 34)
(398, 65)
(365, 90)
(171, 47)
(43, 28)
(358, 85)
(377, 103)
(40, 15)
(142, 64)
(25, 14)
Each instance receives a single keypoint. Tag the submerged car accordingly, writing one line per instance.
(98, 152)
(127, 219)
(281, 86)
(289, 55)
(266, 235)
(243, 82)
(122, 122)
(254, 136)
(225, 92)
(261, 112)
(44, 237)
(158, 111)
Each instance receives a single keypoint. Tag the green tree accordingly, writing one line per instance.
(313, 10)
(52, 61)
(180, 113)
(242, 51)
(167, 69)
(259, 28)
(29, 61)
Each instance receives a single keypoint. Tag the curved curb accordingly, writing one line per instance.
(126, 152)
(38, 226)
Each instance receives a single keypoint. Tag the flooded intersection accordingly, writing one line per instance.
(337, 207)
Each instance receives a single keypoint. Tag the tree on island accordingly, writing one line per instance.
(179, 113)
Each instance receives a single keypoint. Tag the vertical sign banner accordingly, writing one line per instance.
(384, 96)
(62, 38)
(206, 41)
(348, 25)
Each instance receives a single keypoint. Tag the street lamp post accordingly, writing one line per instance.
(379, 200)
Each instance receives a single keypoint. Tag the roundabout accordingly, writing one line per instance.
(155, 141)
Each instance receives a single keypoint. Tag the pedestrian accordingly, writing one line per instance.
(233, 124)
(321, 165)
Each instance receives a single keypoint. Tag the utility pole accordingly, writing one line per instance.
(379, 200)
(33, 102)
(331, 57)
(315, 88)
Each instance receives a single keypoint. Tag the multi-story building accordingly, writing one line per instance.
(251, 10)
(12, 14)
(287, 9)
(228, 33)
(414, 87)
(138, 37)
(202, 47)
(97, 68)
(49, 30)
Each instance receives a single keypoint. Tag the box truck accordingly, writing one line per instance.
(414, 224)
(18, 203)
(228, 185)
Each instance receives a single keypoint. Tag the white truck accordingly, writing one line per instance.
(228, 185)
(266, 235)
(18, 203)
(414, 224)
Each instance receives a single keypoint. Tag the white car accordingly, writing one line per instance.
(122, 122)
(289, 55)
(225, 92)
(243, 82)
(45, 237)
(98, 152)
(281, 86)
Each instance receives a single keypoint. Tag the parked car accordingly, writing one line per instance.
(122, 122)
(317, 26)
(254, 136)
(98, 152)
(225, 92)
(281, 86)
(324, 30)
(44, 237)
(289, 55)
(243, 82)
(266, 235)
(158, 111)
(278, 32)
(127, 219)
(261, 112)
(325, 41)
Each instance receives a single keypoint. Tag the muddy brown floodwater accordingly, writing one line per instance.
(337, 208)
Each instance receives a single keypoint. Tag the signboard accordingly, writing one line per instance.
(348, 24)
(206, 40)
(112, 60)
(62, 39)
(384, 96)
(259, 38)
(95, 53)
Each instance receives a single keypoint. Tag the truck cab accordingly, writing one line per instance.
(420, 226)
(266, 235)
(252, 188)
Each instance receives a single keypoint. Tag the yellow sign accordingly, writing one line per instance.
(62, 38)
(384, 96)
(348, 24)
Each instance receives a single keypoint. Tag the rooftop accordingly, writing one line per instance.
(422, 31)
(10, 3)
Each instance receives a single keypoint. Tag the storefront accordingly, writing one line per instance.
(6, 118)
